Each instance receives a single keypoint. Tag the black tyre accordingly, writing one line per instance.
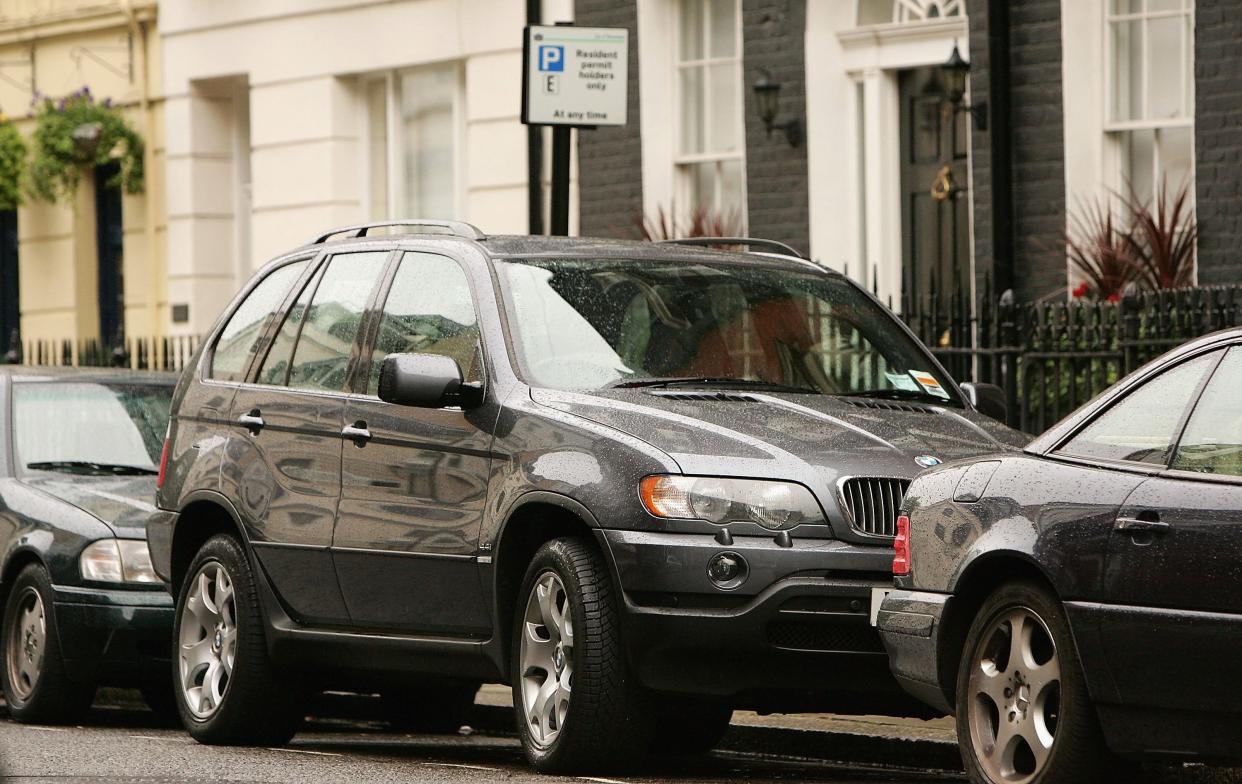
(228, 692)
(1023, 712)
(37, 686)
(567, 641)
(441, 709)
(687, 727)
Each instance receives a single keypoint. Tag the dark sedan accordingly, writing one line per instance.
(82, 607)
(1082, 601)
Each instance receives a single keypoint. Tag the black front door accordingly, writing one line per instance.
(10, 293)
(935, 219)
(110, 244)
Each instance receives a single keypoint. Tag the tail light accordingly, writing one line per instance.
(159, 480)
(901, 547)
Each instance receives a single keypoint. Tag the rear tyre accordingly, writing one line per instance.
(688, 727)
(37, 686)
(228, 692)
(578, 708)
(1023, 712)
(434, 710)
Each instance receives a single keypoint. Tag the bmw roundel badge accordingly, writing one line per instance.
(927, 461)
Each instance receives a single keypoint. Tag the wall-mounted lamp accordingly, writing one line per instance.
(768, 98)
(955, 71)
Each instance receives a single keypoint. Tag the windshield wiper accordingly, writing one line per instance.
(711, 381)
(896, 394)
(87, 466)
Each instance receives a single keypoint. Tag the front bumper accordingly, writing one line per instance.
(910, 623)
(114, 637)
(159, 542)
(793, 636)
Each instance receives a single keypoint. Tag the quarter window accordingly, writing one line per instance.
(1212, 443)
(330, 328)
(429, 311)
(1142, 428)
(239, 340)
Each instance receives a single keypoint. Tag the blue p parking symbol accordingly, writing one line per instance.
(551, 58)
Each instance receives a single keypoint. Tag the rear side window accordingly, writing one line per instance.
(240, 337)
(1142, 428)
(330, 324)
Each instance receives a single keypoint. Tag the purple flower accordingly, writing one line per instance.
(107, 102)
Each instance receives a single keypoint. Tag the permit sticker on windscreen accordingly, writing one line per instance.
(902, 381)
(929, 383)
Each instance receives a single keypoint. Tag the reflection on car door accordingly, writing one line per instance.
(413, 488)
(1174, 562)
(286, 458)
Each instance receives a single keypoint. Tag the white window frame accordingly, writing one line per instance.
(396, 207)
(1116, 131)
(682, 161)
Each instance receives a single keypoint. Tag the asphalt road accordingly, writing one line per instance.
(119, 745)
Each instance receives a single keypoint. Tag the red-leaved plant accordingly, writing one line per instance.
(1163, 237)
(701, 222)
(1101, 249)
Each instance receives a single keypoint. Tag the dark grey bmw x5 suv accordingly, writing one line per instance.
(645, 484)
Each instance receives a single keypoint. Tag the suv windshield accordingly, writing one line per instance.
(90, 427)
(587, 324)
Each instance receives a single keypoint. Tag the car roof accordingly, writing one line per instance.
(29, 373)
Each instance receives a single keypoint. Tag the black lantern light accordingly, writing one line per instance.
(768, 99)
(954, 72)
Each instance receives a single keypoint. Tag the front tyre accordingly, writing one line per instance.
(37, 687)
(578, 709)
(1023, 712)
(228, 692)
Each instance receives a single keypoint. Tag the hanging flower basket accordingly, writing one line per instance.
(76, 132)
(12, 164)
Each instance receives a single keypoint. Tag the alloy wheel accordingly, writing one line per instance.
(546, 658)
(27, 643)
(1015, 688)
(207, 643)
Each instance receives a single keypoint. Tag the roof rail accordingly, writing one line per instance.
(751, 242)
(451, 228)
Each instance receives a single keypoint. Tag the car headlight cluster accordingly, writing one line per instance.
(773, 505)
(117, 561)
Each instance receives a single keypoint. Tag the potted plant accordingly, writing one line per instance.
(76, 132)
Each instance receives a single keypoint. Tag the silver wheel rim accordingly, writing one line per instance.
(1015, 696)
(27, 643)
(547, 659)
(207, 642)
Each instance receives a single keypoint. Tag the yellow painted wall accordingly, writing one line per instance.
(56, 47)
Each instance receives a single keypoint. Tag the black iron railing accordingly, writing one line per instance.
(170, 353)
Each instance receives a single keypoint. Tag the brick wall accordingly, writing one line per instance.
(774, 36)
(610, 183)
(1038, 149)
(1218, 140)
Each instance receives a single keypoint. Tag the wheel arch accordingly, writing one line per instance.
(535, 518)
(17, 561)
(978, 580)
(202, 516)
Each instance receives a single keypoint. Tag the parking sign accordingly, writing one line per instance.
(575, 76)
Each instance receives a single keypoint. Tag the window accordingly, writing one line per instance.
(239, 339)
(330, 328)
(1143, 426)
(275, 368)
(1151, 105)
(413, 141)
(69, 426)
(1212, 443)
(429, 311)
(711, 139)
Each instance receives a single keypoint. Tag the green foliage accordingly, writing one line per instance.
(12, 164)
(75, 132)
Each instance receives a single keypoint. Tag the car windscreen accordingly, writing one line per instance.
(90, 427)
(580, 324)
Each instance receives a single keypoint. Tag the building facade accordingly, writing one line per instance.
(90, 268)
(1069, 102)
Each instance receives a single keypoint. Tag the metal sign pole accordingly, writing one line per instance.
(560, 179)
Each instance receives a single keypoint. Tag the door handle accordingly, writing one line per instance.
(252, 421)
(1136, 527)
(357, 432)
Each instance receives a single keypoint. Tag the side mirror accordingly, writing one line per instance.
(988, 399)
(426, 381)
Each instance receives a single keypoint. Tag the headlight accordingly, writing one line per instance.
(118, 561)
(773, 505)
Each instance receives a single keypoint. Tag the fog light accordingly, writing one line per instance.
(727, 570)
